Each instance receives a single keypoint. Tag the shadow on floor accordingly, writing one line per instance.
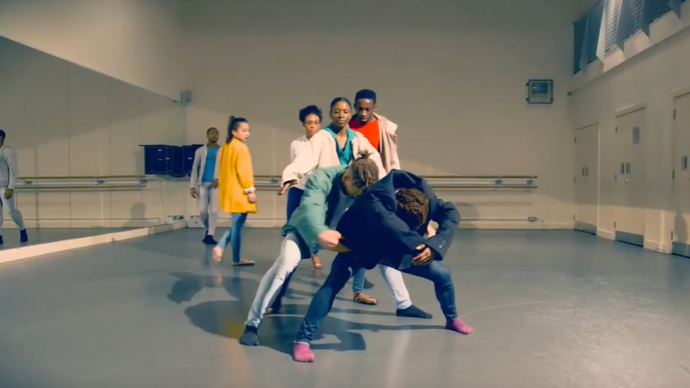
(226, 318)
(190, 284)
(278, 332)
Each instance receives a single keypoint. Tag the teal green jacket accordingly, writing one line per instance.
(309, 219)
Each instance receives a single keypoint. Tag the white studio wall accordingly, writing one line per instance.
(451, 74)
(135, 41)
(637, 98)
(67, 121)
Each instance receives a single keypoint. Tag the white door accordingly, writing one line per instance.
(630, 180)
(587, 178)
(681, 174)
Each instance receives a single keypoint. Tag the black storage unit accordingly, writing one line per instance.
(188, 155)
(160, 159)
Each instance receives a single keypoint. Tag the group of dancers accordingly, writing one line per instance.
(347, 194)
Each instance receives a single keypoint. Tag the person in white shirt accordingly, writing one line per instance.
(8, 179)
(310, 117)
(204, 184)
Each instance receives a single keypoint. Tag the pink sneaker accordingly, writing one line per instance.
(302, 353)
(459, 326)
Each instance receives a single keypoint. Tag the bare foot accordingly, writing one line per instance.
(217, 254)
(317, 263)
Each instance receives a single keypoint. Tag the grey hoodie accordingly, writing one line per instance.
(8, 167)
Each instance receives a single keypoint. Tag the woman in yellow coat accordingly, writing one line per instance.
(236, 191)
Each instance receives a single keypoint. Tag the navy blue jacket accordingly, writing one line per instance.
(375, 234)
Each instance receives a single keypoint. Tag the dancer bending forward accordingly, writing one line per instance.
(328, 194)
(389, 221)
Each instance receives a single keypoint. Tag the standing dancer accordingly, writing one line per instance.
(8, 179)
(334, 146)
(310, 117)
(386, 225)
(328, 194)
(381, 133)
(237, 194)
(204, 184)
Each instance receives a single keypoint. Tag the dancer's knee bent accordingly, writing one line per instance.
(441, 274)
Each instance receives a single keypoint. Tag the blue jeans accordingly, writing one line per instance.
(234, 236)
(358, 279)
(294, 198)
(341, 271)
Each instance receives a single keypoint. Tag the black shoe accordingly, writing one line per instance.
(413, 312)
(23, 237)
(1, 240)
(250, 337)
(208, 240)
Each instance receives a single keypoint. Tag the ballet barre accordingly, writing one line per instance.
(493, 182)
(82, 183)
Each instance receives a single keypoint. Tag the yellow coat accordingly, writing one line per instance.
(234, 177)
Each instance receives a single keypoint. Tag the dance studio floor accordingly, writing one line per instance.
(47, 235)
(549, 309)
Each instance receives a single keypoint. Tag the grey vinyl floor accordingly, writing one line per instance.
(549, 308)
(47, 235)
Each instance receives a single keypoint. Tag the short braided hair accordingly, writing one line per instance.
(412, 207)
(364, 171)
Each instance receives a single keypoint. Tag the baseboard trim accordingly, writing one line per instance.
(630, 238)
(657, 246)
(513, 225)
(86, 223)
(585, 227)
(606, 234)
(680, 249)
(472, 224)
(30, 251)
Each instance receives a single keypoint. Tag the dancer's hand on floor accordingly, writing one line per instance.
(425, 257)
(330, 239)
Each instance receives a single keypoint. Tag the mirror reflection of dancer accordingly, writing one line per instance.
(328, 194)
(8, 179)
(236, 191)
(386, 226)
(310, 117)
(334, 146)
(204, 184)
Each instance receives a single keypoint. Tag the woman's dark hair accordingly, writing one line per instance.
(310, 110)
(233, 124)
(340, 99)
(412, 207)
(364, 171)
